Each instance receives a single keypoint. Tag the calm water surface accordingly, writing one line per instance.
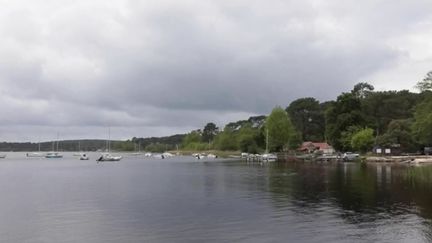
(186, 200)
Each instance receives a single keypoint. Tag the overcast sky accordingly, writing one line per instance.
(154, 68)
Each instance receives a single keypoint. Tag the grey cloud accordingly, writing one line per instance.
(177, 65)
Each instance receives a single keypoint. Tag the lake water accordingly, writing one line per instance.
(186, 200)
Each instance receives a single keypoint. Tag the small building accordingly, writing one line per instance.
(393, 149)
(312, 147)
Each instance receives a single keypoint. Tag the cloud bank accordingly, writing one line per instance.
(152, 68)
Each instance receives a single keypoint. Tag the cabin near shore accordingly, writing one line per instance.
(394, 149)
(316, 147)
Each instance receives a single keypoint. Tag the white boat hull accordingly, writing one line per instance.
(53, 155)
(35, 155)
(109, 158)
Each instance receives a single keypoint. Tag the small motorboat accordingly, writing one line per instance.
(35, 155)
(53, 155)
(108, 158)
(167, 155)
(84, 156)
(148, 154)
(269, 157)
(212, 156)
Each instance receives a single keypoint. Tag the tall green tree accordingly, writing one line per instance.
(193, 140)
(209, 132)
(308, 118)
(226, 140)
(280, 130)
(380, 108)
(341, 115)
(346, 137)
(363, 140)
(362, 90)
(422, 127)
(426, 83)
(399, 133)
(247, 139)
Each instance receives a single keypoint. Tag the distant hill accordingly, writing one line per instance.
(169, 142)
(64, 145)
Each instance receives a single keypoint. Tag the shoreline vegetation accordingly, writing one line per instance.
(362, 120)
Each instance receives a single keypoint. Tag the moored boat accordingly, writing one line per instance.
(53, 155)
(108, 157)
(84, 156)
(35, 155)
(269, 157)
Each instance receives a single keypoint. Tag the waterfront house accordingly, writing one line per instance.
(311, 147)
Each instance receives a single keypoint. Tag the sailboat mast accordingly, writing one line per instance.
(109, 139)
(267, 140)
(57, 142)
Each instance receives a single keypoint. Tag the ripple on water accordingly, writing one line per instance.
(145, 200)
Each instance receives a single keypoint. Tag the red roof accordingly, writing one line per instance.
(320, 146)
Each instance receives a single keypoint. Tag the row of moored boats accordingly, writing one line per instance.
(111, 157)
(83, 156)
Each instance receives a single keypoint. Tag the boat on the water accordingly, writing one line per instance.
(53, 155)
(148, 154)
(55, 147)
(269, 157)
(35, 155)
(137, 150)
(108, 157)
(212, 156)
(2, 156)
(84, 156)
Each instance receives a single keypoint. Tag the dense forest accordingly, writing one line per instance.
(358, 120)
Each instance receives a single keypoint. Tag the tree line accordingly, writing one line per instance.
(357, 120)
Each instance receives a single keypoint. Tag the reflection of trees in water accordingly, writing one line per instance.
(418, 181)
(298, 184)
(364, 192)
(353, 187)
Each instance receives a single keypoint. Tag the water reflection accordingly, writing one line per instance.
(367, 196)
(182, 200)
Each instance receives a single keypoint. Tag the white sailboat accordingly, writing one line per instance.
(108, 157)
(36, 154)
(269, 157)
(54, 154)
(79, 150)
(137, 151)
